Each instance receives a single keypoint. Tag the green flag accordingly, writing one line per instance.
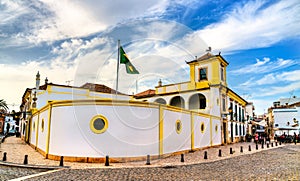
(130, 69)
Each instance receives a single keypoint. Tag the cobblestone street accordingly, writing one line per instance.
(280, 163)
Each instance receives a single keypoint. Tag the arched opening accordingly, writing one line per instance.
(160, 101)
(197, 101)
(177, 101)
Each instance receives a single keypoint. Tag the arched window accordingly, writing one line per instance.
(160, 101)
(177, 101)
(197, 101)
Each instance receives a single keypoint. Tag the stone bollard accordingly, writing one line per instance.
(182, 158)
(231, 152)
(220, 153)
(241, 149)
(4, 157)
(205, 155)
(148, 160)
(25, 160)
(107, 160)
(256, 146)
(61, 163)
(249, 149)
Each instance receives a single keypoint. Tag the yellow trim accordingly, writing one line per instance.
(192, 73)
(49, 128)
(93, 121)
(49, 88)
(161, 129)
(41, 92)
(176, 126)
(215, 66)
(236, 98)
(202, 85)
(222, 61)
(192, 132)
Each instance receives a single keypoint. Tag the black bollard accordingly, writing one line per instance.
(231, 152)
(279, 142)
(275, 143)
(268, 145)
(107, 160)
(61, 163)
(182, 158)
(249, 149)
(205, 155)
(241, 149)
(220, 152)
(26, 160)
(148, 160)
(272, 144)
(4, 157)
(262, 146)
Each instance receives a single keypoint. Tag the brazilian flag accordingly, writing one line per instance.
(130, 69)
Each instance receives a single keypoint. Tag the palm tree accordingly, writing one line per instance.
(3, 105)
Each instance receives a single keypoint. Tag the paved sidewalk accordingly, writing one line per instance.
(16, 149)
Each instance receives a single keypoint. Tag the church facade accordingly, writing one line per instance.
(89, 122)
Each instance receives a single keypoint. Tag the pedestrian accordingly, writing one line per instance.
(256, 138)
(268, 139)
(7, 128)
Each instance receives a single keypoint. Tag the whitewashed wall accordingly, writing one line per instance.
(42, 133)
(174, 142)
(201, 139)
(132, 131)
(33, 130)
(216, 132)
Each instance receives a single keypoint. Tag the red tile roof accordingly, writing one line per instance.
(147, 93)
(99, 88)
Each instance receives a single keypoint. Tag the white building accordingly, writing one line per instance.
(87, 123)
(284, 116)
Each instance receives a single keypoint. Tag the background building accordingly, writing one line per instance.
(284, 116)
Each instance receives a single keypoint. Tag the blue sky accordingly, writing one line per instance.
(77, 41)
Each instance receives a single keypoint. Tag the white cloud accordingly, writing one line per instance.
(265, 66)
(280, 77)
(279, 89)
(253, 26)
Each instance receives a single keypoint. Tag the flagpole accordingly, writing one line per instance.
(118, 64)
